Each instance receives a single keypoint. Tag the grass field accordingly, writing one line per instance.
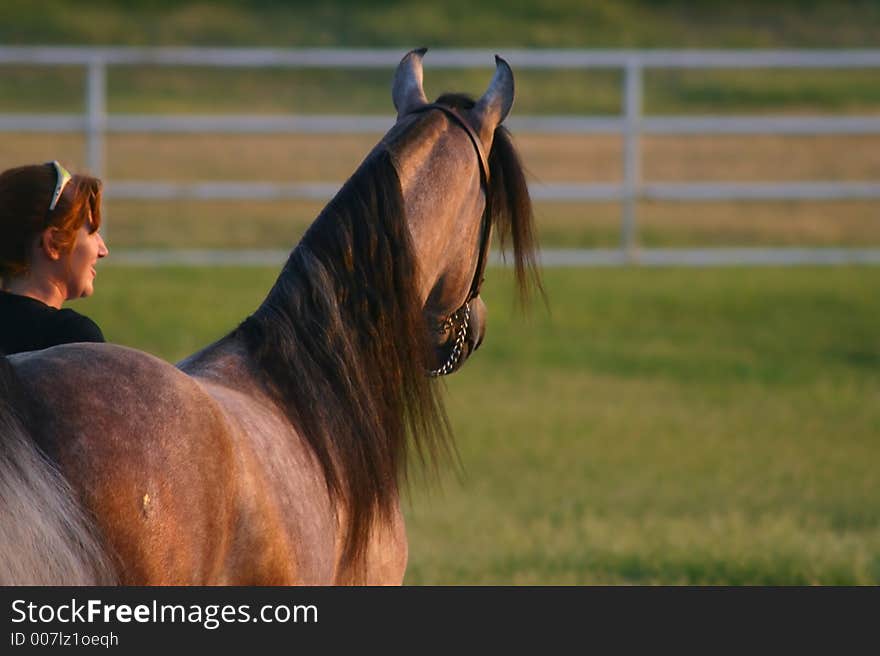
(656, 426)
(145, 90)
(491, 23)
(404, 25)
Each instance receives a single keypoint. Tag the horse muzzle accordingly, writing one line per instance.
(464, 332)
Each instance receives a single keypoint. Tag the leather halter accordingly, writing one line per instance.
(485, 230)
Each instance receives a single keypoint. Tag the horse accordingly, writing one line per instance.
(276, 455)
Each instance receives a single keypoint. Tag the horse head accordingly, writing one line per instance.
(459, 176)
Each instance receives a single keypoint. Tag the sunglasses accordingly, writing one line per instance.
(62, 177)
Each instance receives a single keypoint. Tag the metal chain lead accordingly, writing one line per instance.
(459, 342)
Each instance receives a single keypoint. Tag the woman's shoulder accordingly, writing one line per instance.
(27, 324)
(78, 327)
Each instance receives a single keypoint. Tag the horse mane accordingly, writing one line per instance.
(342, 345)
(341, 342)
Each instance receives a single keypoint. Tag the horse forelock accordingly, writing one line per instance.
(342, 345)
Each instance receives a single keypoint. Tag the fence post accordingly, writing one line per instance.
(96, 107)
(632, 106)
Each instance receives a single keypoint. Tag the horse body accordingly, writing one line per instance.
(241, 501)
(273, 456)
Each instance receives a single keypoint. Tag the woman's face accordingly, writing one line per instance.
(79, 263)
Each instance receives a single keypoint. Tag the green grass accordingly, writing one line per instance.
(712, 426)
(146, 90)
(457, 23)
(491, 23)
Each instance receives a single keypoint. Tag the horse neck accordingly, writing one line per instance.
(339, 345)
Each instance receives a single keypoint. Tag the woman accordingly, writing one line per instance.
(49, 245)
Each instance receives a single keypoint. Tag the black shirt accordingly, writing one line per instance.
(27, 324)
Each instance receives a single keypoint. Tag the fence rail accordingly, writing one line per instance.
(439, 58)
(631, 124)
(317, 124)
(568, 257)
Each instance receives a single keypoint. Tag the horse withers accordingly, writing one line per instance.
(275, 455)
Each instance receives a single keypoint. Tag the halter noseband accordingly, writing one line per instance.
(463, 314)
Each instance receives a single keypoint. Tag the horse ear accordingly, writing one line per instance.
(495, 104)
(407, 92)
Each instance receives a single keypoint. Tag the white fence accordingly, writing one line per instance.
(631, 124)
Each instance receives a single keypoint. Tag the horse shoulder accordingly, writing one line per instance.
(285, 483)
(288, 528)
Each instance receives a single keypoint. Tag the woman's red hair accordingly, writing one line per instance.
(25, 194)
